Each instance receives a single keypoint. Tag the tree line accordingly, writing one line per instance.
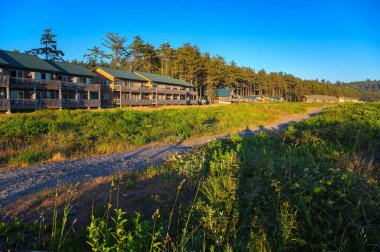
(205, 71)
(369, 89)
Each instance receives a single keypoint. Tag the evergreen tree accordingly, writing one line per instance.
(119, 52)
(49, 49)
(166, 55)
(92, 58)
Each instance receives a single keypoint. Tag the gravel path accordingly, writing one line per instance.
(19, 182)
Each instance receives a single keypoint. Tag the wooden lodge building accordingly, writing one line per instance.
(29, 83)
(327, 99)
(136, 88)
(225, 95)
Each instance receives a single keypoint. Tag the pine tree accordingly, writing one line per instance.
(49, 47)
(119, 52)
(92, 58)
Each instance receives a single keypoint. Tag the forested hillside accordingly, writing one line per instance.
(207, 72)
(369, 89)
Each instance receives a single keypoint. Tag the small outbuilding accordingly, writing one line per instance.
(225, 95)
(319, 98)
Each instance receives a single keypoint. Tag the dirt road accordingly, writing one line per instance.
(20, 182)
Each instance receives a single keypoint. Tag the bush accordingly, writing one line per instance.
(29, 157)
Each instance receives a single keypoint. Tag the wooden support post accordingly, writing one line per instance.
(100, 100)
(88, 98)
(60, 97)
(8, 98)
(35, 98)
(120, 97)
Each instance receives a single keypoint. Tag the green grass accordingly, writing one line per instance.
(313, 187)
(27, 139)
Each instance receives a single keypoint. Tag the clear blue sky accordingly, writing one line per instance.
(324, 39)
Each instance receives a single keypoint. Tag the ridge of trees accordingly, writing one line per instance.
(369, 89)
(205, 71)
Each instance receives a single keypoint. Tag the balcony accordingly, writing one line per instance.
(146, 90)
(80, 87)
(142, 102)
(29, 83)
(126, 89)
(146, 102)
(171, 102)
(4, 104)
(29, 104)
(72, 103)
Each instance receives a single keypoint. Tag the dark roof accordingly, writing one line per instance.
(163, 79)
(25, 61)
(3, 62)
(320, 97)
(71, 69)
(223, 92)
(122, 74)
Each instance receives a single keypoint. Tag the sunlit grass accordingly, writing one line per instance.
(76, 134)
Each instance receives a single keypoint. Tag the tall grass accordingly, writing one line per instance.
(300, 190)
(56, 135)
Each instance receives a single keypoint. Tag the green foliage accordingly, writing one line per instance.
(28, 157)
(207, 72)
(39, 136)
(313, 187)
(122, 234)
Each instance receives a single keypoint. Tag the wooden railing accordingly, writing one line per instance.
(171, 102)
(52, 84)
(80, 87)
(93, 103)
(24, 103)
(146, 102)
(4, 104)
(127, 89)
(34, 83)
(50, 103)
(142, 102)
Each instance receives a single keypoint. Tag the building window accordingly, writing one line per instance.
(17, 95)
(94, 95)
(20, 74)
(106, 96)
(36, 75)
(17, 73)
(135, 97)
(107, 84)
(76, 80)
(1, 71)
(87, 80)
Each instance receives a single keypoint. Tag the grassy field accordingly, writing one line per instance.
(313, 187)
(59, 135)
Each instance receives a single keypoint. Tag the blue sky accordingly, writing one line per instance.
(324, 39)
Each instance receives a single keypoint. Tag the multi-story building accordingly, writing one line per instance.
(28, 83)
(136, 88)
